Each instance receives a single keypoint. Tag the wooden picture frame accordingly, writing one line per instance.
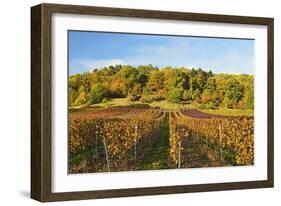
(41, 95)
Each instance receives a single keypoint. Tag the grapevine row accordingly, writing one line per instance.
(123, 137)
(232, 134)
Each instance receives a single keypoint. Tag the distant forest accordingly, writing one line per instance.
(174, 84)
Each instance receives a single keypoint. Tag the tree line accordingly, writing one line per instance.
(174, 84)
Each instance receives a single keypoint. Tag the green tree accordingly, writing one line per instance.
(137, 90)
(185, 95)
(175, 95)
(209, 93)
(195, 94)
(248, 100)
(97, 94)
(72, 96)
(155, 81)
(128, 76)
(233, 93)
(82, 97)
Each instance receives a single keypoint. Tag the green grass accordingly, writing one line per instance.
(173, 106)
(229, 112)
(218, 111)
(126, 102)
(223, 111)
(82, 155)
(116, 102)
(159, 159)
(167, 105)
(228, 155)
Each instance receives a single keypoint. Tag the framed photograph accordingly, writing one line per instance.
(130, 102)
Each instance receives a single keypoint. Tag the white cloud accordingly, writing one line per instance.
(88, 65)
(92, 64)
(174, 54)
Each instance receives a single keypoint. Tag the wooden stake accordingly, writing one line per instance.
(97, 140)
(106, 155)
(220, 140)
(179, 155)
(136, 133)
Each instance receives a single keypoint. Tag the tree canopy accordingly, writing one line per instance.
(148, 84)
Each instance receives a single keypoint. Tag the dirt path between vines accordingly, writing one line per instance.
(195, 153)
(157, 156)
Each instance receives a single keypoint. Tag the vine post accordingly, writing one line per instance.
(135, 152)
(220, 140)
(97, 134)
(179, 155)
(106, 155)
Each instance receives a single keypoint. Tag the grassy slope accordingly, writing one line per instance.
(175, 106)
(230, 112)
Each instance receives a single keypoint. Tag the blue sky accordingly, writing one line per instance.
(89, 50)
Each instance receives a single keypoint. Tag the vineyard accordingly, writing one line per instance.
(129, 139)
